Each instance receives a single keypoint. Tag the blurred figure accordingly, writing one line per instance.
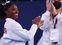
(52, 26)
(14, 34)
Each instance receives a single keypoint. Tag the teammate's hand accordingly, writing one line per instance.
(37, 21)
(53, 11)
(48, 5)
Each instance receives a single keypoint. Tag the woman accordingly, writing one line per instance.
(52, 27)
(14, 34)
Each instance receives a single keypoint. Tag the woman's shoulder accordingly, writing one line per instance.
(12, 23)
(9, 22)
(59, 16)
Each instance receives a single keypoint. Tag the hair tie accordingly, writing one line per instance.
(5, 3)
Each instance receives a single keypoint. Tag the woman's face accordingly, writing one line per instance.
(12, 12)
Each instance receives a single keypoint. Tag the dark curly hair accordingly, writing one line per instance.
(57, 4)
(4, 8)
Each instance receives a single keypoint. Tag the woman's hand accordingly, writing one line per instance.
(37, 21)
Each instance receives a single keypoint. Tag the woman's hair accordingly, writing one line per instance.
(57, 4)
(2, 14)
(4, 7)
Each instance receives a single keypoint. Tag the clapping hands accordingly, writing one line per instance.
(37, 21)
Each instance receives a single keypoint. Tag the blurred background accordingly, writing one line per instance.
(29, 9)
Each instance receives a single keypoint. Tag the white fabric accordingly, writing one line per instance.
(31, 42)
(15, 34)
(54, 35)
(47, 26)
(45, 17)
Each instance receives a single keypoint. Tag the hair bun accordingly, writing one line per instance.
(57, 4)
